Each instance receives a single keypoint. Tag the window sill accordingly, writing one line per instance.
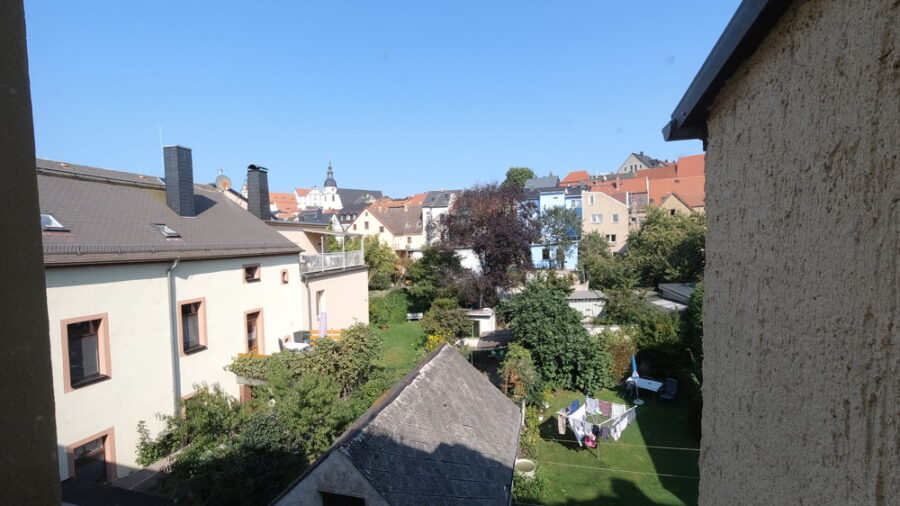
(255, 280)
(195, 349)
(90, 381)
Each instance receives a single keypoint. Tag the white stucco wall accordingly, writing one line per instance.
(337, 475)
(346, 298)
(135, 299)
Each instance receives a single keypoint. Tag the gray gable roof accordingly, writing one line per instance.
(399, 220)
(110, 215)
(542, 182)
(350, 196)
(648, 161)
(439, 198)
(443, 435)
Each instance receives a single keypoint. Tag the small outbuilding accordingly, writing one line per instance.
(589, 303)
(442, 435)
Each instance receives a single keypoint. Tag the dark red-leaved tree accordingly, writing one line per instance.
(499, 226)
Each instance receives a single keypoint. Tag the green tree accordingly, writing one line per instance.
(561, 227)
(560, 282)
(382, 262)
(518, 377)
(433, 276)
(668, 248)
(333, 244)
(564, 355)
(516, 177)
(603, 270)
(444, 318)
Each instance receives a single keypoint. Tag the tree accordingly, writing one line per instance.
(433, 275)
(564, 354)
(333, 244)
(382, 262)
(602, 269)
(516, 177)
(499, 227)
(561, 227)
(668, 248)
(562, 283)
(445, 319)
(518, 377)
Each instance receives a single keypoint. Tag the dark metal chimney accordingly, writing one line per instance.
(258, 192)
(179, 179)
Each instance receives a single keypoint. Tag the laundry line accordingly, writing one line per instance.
(618, 470)
(625, 444)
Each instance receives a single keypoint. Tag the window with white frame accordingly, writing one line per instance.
(615, 218)
(611, 238)
(596, 218)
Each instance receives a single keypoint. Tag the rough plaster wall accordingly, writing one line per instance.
(336, 474)
(27, 425)
(802, 302)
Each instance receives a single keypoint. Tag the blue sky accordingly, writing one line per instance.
(401, 96)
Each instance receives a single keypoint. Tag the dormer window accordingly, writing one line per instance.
(165, 230)
(51, 224)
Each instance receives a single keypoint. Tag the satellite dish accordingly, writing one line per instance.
(223, 182)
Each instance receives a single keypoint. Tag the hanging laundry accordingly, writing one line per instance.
(572, 407)
(605, 432)
(618, 410)
(591, 405)
(631, 415)
(605, 408)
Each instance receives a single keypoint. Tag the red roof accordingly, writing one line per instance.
(656, 173)
(579, 176)
(694, 165)
(301, 192)
(285, 202)
(417, 199)
(691, 190)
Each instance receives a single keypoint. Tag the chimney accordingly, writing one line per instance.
(179, 170)
(258, 192)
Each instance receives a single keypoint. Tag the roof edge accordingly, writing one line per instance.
(748, 27)
(364, 419)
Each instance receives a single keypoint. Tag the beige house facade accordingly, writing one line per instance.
(798, 108)
(400, 227)
(607, 216)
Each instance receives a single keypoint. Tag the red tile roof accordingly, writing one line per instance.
(691, 189)
(285, 202)
(301, 192)
(694, 165)
(579, 176)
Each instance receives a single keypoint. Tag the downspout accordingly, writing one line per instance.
(305, 279)
(173, 330)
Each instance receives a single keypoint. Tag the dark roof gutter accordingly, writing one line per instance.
(748, 27)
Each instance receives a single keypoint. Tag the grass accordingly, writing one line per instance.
(401, 345)
(658, 424)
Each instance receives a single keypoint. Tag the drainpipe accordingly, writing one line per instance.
(173, 330)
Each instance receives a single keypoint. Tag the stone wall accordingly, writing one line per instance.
(803, 264)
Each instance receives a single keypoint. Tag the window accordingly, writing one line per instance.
(409, 240)
(165, 230)
(366, 225)
(252, 273)
(671, 212)
(192, 327)
(51, 224)
(545, 254)
(611, 238)
(86, 349)
(284, 276)
(254, 335)
(596, 218)
(354, 226)
(615, 218)
(320, 302)
(329, 499)
(381, 229)
(591, 199)
(93, 459)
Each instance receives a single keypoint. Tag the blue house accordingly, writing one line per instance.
(547, 197)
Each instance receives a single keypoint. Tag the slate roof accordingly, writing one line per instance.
(439, 198)
(350, 196)
(648, 161)
(314, 217)
(442, 435)
(110, 215)
(399, 220)
(542, 182)
(353, 210)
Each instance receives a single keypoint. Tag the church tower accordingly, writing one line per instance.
(332, 199)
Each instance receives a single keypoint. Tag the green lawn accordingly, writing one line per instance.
(401, 345)
(658, 424)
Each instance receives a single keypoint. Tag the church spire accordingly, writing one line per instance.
(330, 179)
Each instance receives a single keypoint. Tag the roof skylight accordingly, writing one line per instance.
(51, 224)
(165, 230)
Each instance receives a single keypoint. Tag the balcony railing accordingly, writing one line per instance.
(331, 261)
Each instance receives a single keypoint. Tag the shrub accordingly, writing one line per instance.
(530, 490)
(433, 341)
(531, 433)
(446, 319)
(390, 309)
(621, 348)
(518, 377)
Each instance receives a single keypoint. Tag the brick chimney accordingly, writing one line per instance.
(179, 170)
(258, 192)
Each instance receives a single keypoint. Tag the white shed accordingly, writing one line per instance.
(589, 303)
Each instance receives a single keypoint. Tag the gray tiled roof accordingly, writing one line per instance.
(648, 161)
(400, 220)
(314, 217)
(353, 209)
(542, 182)
(440, 198)
(443, 435)
(350, 196)
(110, 217)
